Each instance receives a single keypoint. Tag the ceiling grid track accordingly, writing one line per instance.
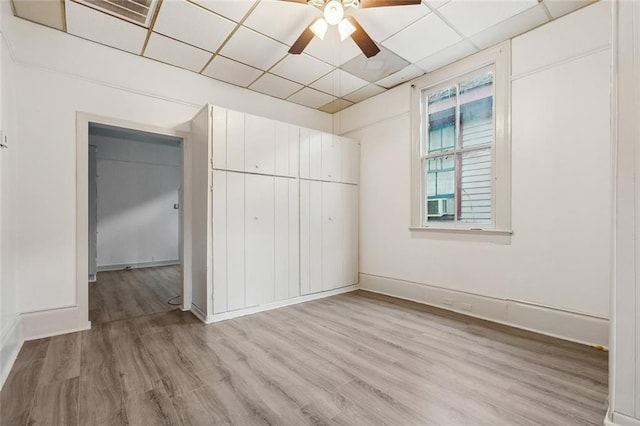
(156, 12)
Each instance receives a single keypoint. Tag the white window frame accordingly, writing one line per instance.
(499, 58)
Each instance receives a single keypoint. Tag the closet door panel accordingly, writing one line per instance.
(282, 149)
(305, 151)
(315, 155)
(315, 236)
(235, 241)
(294, 238)
(349, 235)
(219, 241)
(219, 138)
(281, 238)
(305, 237)
(260, 135)
(294, 150)
(331, 158)
(350, 160)
(235, 140)
(259, 239)
(331, 235)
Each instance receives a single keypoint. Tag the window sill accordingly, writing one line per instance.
(477, 231)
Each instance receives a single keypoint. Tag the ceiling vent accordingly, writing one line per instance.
(137, 11)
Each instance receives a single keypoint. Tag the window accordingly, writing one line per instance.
(460, 176)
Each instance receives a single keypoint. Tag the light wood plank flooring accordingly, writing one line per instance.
(132, 293)
(352, 359)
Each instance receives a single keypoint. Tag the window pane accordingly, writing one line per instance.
(476, 110)
(441, 114)
(476, 187)
(440, 188)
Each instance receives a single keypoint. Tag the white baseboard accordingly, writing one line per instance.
(37, 325)
(576, 327)
(121, 266)
(280, 304)
(10, 346)
(617, 419)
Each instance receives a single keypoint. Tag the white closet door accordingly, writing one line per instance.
(281, 238)
(282, 149)
(305, 237)
(219, 138)
(315, 236)
(235, 241)
(315, 155)
(259, 239)
(331, 158)
(235, 140)
(349, 235)
(305, 150)
(259, 142)
(294, 150)
(331, 235)
(294, 238)
(219, 241)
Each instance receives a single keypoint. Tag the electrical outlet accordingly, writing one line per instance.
(467, 307)
(447, 301)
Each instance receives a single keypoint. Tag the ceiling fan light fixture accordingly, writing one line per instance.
(319, 28)
(333, 12)
(345, 28)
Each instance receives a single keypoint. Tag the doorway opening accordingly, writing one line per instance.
(135, 233)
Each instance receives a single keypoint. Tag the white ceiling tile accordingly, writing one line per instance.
(88, 23)
(447, 56)
(311, 98)
(423, 38)
(47, 13)
(512, 27)
(407, 74)
(232, 72)
(173, 52)
(373, 69)
(282, 20)
(273, 85)
(302, 68)
(472, 16)
(365, 93)
(231, 9)
(335, 106)
(382, 22)
(559, 8)
(339, 83)
(436, 3)
(192, 24)
(332, 50)
(251, 48)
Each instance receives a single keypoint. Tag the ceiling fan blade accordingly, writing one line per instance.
(383, 3)
(362, 39)
(302, 41)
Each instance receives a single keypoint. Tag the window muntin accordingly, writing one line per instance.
(457, 150)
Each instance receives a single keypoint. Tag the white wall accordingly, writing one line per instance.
(10, 330)
(552, 274)
(58, 75)
(138, 184)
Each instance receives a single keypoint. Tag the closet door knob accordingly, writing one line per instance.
(257, 166)
(255, 218)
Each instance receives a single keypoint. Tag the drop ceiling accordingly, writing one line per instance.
(246, 42)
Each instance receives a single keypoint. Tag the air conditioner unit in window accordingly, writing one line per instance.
(439, 207)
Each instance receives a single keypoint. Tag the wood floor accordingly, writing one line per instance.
(352, 359)
(131, 293)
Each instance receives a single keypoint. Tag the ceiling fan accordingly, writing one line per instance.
(334, 14)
